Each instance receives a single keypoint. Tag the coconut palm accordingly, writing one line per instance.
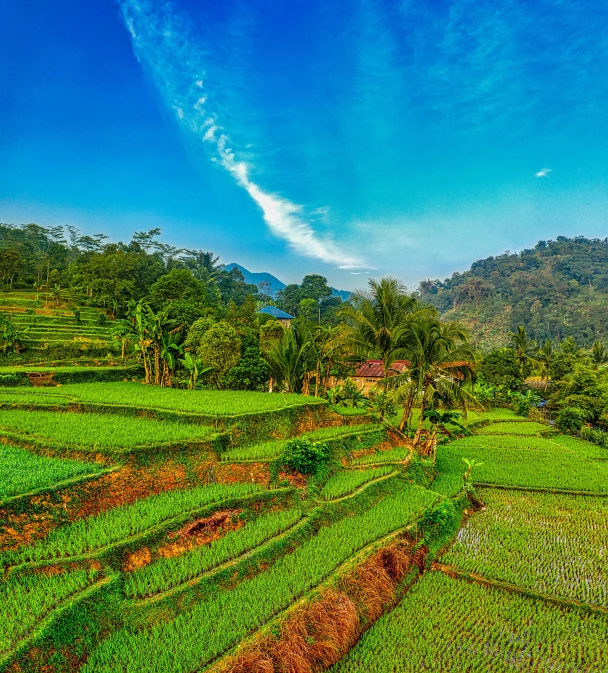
(524, 348)
(288, 357)
(378, 316)
(599, 356)
(543, 358)
(441, 365)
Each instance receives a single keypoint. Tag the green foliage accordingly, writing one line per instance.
(10, 337)
(438, 521)
(535, 288)
(251, 372)
(302, 455)
(220, 349)
(570, 420)
(522, 403)
(598, 437)
(501, 370)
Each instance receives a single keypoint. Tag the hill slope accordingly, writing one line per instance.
(557, 289)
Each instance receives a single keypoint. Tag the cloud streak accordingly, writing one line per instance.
(543, 173)
(176, 63)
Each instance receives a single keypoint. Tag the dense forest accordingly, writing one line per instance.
(555, 290)
(190, 282)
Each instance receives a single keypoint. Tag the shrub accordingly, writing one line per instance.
(570, 420)
(438, 521)
(304, 456)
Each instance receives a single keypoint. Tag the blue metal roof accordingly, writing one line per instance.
(276, 313)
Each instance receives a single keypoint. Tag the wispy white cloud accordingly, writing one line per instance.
(543, 173)
(162, 42)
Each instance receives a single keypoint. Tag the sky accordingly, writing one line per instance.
(351, 139)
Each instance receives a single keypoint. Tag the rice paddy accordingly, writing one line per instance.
(22, 471)
(98, 431)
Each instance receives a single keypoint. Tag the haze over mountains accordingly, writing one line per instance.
(255, 278)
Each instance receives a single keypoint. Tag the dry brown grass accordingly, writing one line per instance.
(318, 634)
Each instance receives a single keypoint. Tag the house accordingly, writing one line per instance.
(284, 318)
(369, 373)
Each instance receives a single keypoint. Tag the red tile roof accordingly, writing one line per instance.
(373, 369)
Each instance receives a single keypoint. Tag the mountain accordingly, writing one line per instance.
(557, 289)
(275, 283)
(257, 278)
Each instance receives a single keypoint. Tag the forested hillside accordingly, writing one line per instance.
(557, 289)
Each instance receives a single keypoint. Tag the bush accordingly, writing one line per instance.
(304, 456)
(570, 420)
(438, 521)
(596, 436)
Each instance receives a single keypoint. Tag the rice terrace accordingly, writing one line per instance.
(163, 528)
(303, 336)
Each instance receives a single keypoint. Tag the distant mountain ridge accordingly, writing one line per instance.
(556, 290)
(255, 278)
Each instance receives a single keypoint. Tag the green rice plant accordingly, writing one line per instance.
(549, 543)
(448, 484)
(454, 626)
(190, 641)
(23, 472)
(582, 448)
(86, 536)
(527, 461)
(495, 414)
(208, 402)
(170, 572)
(346, 481)
(98, 431)
(25, 601)
(391, 456)
(510, 428)
(272, 449)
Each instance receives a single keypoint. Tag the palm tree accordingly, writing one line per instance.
(288, 357)
(378, 316)
(599, 356)
(439, 421)
(524, 348)
(543, 358)
(441, 365)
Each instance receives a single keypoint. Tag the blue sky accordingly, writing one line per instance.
(409, 137)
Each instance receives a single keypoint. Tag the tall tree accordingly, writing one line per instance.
(441, 364)
(378, 316)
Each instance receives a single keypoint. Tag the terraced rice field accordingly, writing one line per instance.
(95, 533)
(136, 395)
(93, 432)
(345, 482)
(23, 472)
(528, 461)
(193, 639)
(183, 577)
(454, 626)
(551, 544)
(269, 450)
